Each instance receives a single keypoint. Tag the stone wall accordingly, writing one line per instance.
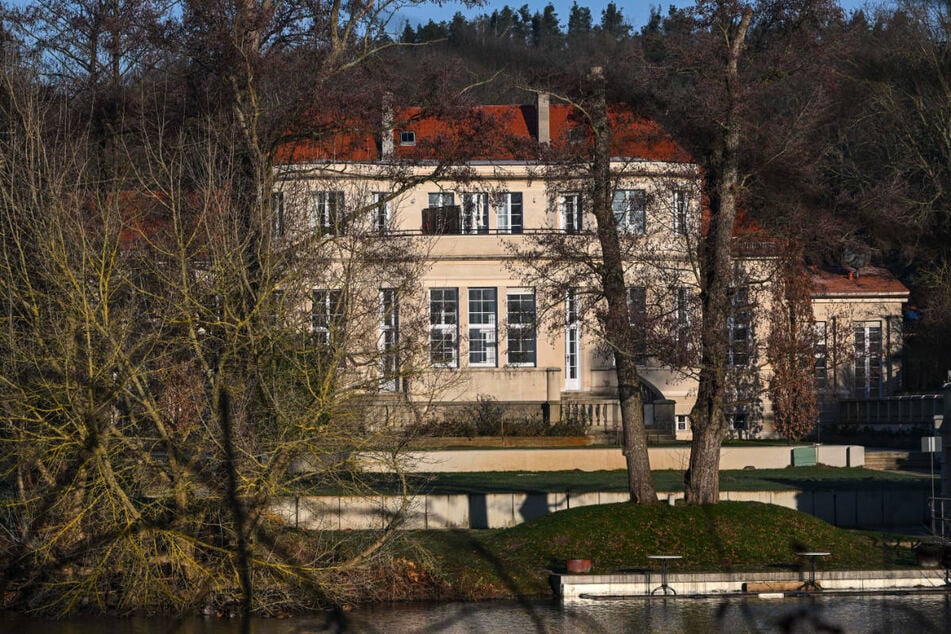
(598, 459)
(846, 509)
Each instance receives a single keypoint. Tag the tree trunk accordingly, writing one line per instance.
(640, 481)
(617, 322)
(709, 423)
(708, 420)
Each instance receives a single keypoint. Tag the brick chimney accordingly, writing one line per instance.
(544, 117)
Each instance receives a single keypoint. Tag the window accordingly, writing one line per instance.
(509, 213)
(681, 422)
(521, 327)
(407, 137)
(327, 313)
(570, 208)
(741, 406)
(682, 317)
(868, 359)
(482, 327)
(629, 210)
(389, 340)
(212, 315)
(327, 212)
(822, 360)
(276, 308)
(637, 313)
(739, 327)
(444, 326)
(475, 213)
(738, 416)
(577, 134)
(680, 212)
(277, 213)
(441, 199)
(441, 217)
(381, 211)
(572, 341)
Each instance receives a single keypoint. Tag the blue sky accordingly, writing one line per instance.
(636, 12)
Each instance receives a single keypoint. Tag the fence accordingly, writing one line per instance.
(918, 409)
(940, 511)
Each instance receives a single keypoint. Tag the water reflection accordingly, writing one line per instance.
(884, 614)
(881, 614)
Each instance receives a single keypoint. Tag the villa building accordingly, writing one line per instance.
(479, 202)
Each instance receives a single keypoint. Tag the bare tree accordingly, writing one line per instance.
(182, 356)
(792, 348)
(735, 105)
(586, 268)
(708, 422)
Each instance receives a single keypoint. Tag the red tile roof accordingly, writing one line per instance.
(869, 281)
(507, 132)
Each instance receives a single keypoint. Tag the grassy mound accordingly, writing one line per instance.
(730, 536)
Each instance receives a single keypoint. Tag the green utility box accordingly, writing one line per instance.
(804, 457)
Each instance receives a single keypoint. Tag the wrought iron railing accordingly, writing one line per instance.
(939, 510)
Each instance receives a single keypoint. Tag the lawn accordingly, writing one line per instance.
(800, 478)
(730, 536)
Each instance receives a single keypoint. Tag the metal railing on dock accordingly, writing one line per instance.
(939, 508)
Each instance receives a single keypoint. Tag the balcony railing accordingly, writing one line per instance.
(444, 220)
(604, 415)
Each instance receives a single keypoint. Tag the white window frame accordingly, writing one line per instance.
(737, 325)
(682, 422)
(277, 213)
(327, 313)
(444, 325)
(630, 210)
(441, 199)
(381, 211)
(327, 211)
(821, 371)
(740, 329)
(483, 327)
(389, 339)
(570, 210)
(870, 361)
(407, 137)
(505, 213)
(682, 316)
(572, 340)
(475, 213)
(637, 314)
(277, 307)
(680, 204)
(518, 327)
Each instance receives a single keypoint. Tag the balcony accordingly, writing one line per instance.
(442, 221)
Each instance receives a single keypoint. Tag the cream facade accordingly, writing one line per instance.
(483, 320)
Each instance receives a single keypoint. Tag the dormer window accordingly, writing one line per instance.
(407, 137)
(577, 134)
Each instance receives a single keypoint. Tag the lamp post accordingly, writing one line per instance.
(931, 445)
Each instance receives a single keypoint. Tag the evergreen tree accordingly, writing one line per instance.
(613, 24)
(579, 21)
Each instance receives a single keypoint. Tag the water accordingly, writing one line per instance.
(919, 614)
